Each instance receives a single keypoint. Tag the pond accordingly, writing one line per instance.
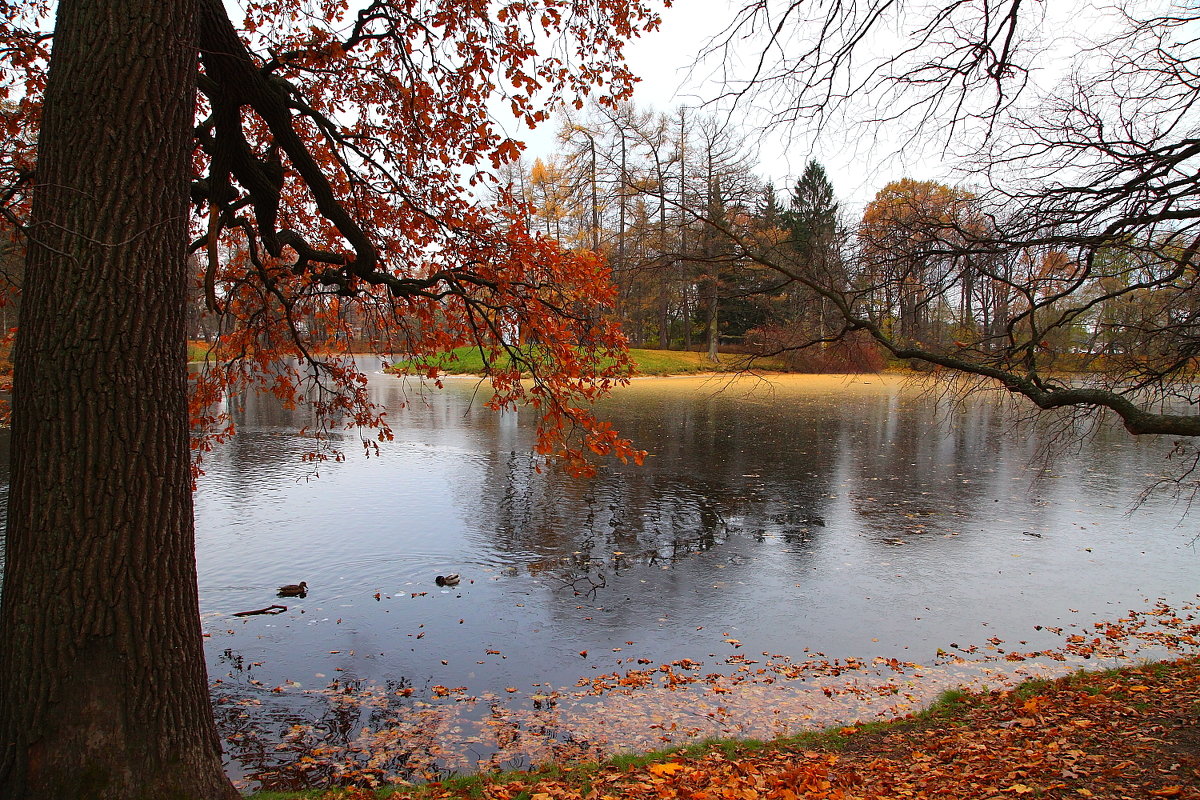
(807, 519)
(794, 552)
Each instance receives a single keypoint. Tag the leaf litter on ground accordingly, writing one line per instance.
(1112, 735)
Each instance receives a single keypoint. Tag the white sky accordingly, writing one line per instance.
(665, 60)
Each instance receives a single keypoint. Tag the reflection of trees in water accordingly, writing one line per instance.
(719, 466)
(555, 523)
(268, 442)
(971, 455)
(961, 451)
(798, 526)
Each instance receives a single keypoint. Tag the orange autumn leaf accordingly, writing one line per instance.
(666, 768)
(1032, 705)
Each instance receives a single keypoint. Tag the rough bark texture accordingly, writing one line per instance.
(103, 692)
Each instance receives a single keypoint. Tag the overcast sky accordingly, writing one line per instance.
(666, 62)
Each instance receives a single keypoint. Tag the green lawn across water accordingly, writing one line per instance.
(468, 361)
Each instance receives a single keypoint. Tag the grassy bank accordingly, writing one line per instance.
(468, 361)
(1129, 733)
(197, 350)
(677, 362)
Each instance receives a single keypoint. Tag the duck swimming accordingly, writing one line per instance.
(447, 580)
(294, 589)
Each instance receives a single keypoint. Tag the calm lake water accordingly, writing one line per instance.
(854, 517)
(808, 518)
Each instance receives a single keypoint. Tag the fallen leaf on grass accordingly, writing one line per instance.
(667, 768)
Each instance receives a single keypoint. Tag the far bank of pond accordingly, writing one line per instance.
(469, 361)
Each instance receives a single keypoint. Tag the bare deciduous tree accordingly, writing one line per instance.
(1074, 281)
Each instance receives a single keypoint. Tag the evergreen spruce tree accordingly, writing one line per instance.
(812, 217)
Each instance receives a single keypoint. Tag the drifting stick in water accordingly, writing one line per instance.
(271, 609)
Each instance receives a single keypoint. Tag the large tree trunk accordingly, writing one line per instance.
(103, 692)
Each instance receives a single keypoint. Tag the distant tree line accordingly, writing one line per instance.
(654, 194)
(708, 256)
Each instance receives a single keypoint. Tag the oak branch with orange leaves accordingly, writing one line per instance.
(357, 189)
(325, 168)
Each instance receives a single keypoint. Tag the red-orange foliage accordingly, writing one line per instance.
(346, 195)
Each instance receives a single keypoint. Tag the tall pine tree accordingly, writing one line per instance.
(811, 221)
(812, 216)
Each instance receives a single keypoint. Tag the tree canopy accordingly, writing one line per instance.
(340, 186)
